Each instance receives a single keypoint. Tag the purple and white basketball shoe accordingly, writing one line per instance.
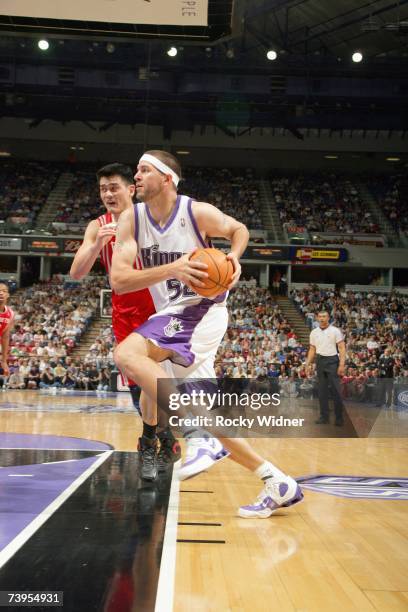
(277, 493)
(201, 454)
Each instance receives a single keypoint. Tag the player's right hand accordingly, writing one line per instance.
(6, 370)
(189, 272)
(105, 234)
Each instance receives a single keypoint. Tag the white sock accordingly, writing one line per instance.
(268, 470)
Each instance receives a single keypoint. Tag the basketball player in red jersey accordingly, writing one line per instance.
(116, 188)
(6, 325)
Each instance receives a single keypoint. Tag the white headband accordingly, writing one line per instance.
(160, 166)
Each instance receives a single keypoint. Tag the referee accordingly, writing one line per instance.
(327, 345)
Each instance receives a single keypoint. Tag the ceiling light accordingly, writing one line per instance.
(183, 152)
(5, 154)
(357, 57)
(172, 52)
(110, 48)
(43, 44)
(393, 159)
(331, 157)
(271, 55)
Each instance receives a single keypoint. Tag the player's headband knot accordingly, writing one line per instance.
(160, 166)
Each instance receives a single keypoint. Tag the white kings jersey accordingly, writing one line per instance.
(161, 245)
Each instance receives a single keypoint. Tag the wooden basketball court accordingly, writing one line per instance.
(111, 542)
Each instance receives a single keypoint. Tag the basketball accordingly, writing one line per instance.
(220, 271)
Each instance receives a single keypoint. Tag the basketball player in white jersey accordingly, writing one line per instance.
(163, 231)
(6, 325)
(116, 190)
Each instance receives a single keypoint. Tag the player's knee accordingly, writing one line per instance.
(121, 356)
(126, 355)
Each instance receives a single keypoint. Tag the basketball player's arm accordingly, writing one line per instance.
(124, 278)
(215, 224)
(5, 346)
(95, 238)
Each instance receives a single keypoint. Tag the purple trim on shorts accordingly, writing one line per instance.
(136, 223)
(194, 223)
(161, 230)
(180, 342)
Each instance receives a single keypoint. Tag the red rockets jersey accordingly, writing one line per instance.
(136, 300)
(5, 317)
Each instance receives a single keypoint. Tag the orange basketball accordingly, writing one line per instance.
(220, 271)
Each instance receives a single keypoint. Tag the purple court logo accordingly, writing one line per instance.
(403, 398)
(358, 487)
(34, 482)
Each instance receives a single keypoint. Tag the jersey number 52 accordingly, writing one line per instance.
(176, 288)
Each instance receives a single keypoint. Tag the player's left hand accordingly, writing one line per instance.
(341, 370)
(237, 270)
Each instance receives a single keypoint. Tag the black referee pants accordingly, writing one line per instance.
(327, 377)
(385, 392)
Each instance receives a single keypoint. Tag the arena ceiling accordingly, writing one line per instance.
(292, 26)
(220, 69)
(330, 28)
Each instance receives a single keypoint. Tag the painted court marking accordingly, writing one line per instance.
(165, 587)
(11, 548)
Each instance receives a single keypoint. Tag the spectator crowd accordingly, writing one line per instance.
(235, 192)
(24, 188)
(375, 326)
(321, 203)
(50, 322)
(317, 202)
(391, 194)
(82, 202)
(259, 344)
